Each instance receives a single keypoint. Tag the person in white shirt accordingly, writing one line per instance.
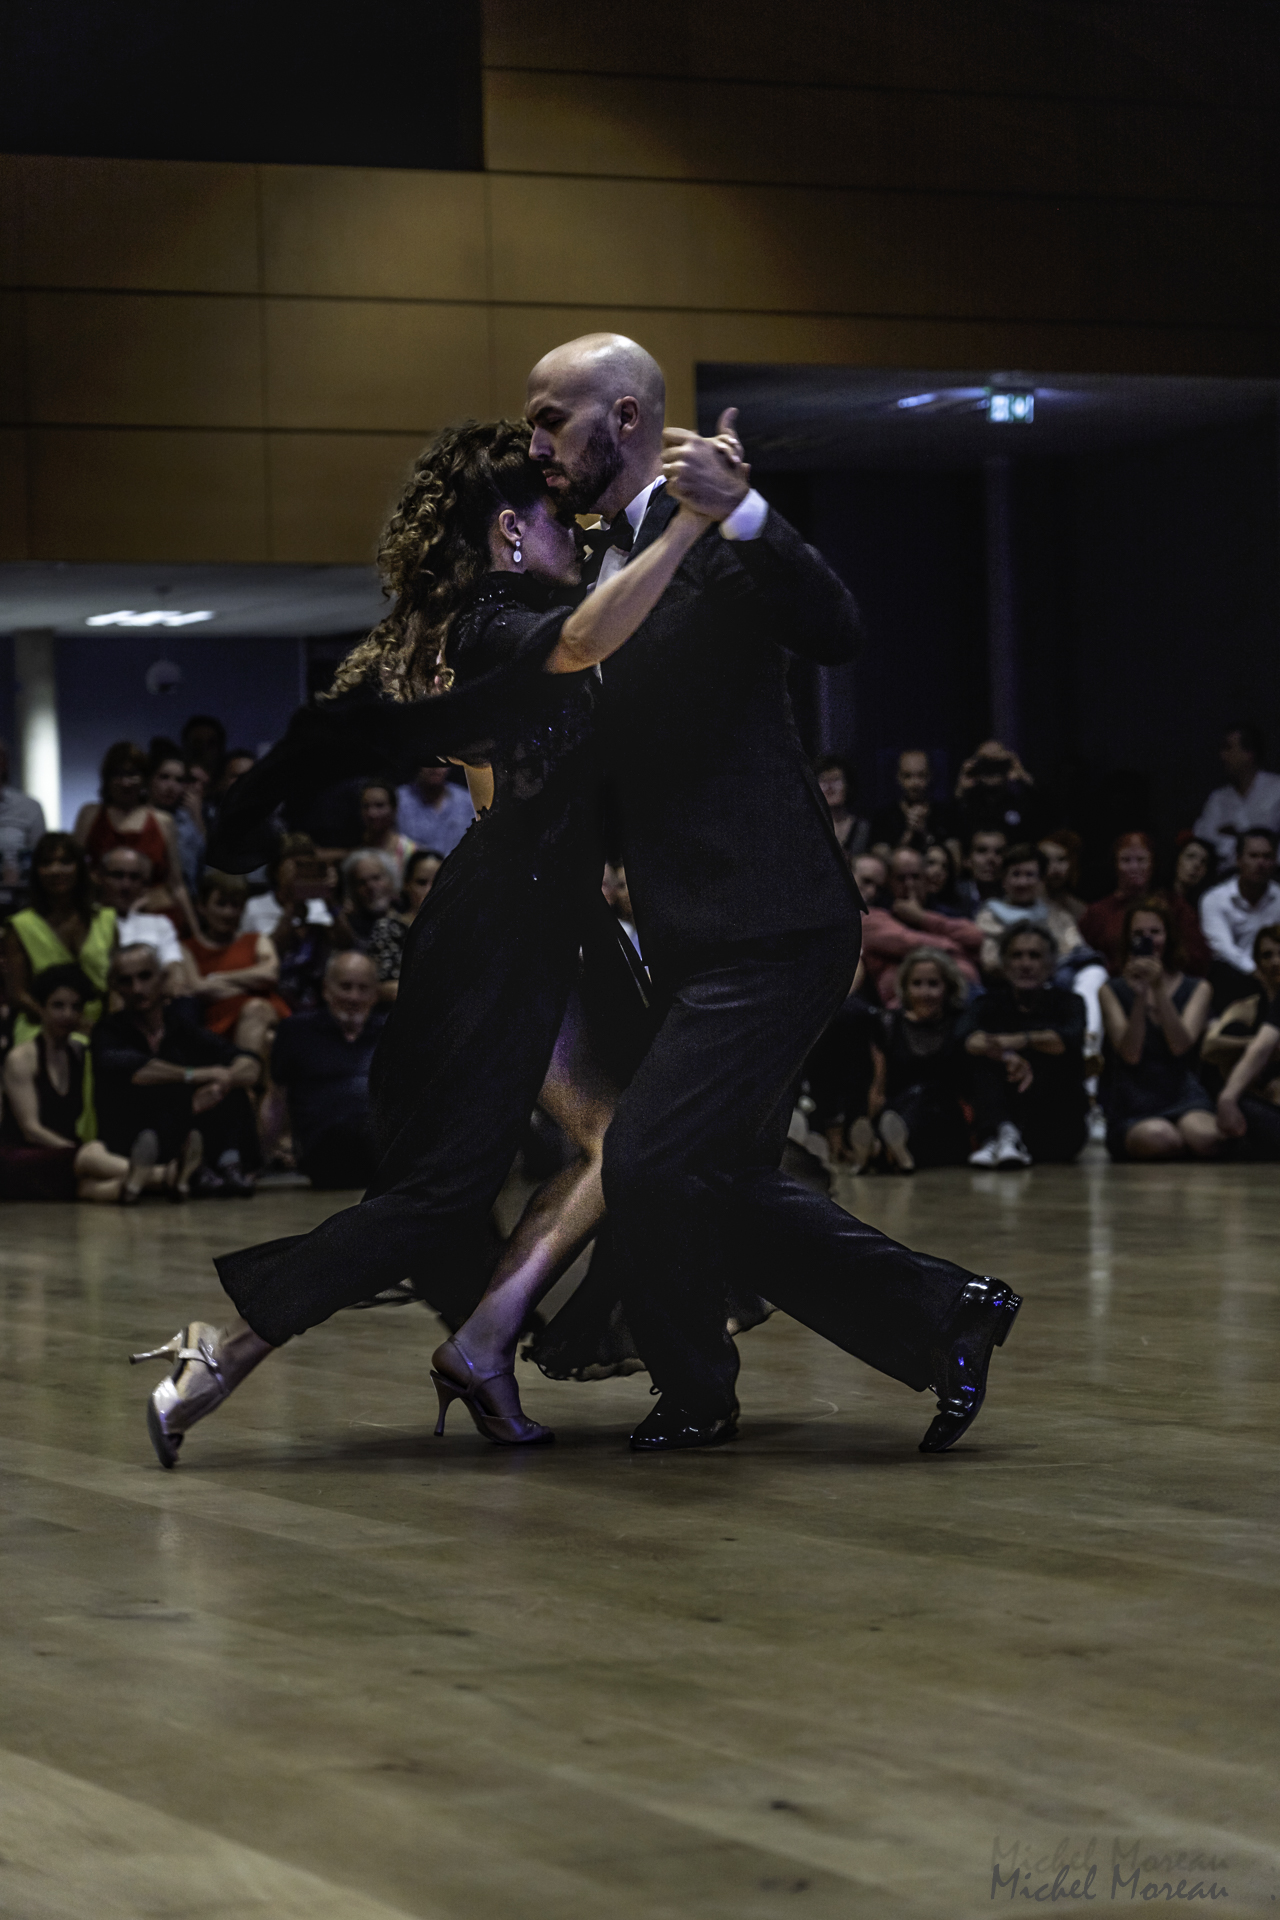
(1233, 914)
(1250, 798)
(21, 825)
(301, 887)
(123, 877)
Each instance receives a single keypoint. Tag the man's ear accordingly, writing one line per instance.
(627, 413)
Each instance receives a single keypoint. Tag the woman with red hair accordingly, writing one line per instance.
(1103, 923)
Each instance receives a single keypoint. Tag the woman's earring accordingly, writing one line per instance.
(518, 555)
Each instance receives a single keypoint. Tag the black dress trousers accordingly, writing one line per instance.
(695, 1192)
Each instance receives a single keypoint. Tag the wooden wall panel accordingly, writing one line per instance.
(1145, 49)
(13, 494)
(147, 495)
(130, 223)
(331, 494)
(617, 125)
(144, 359)
(370, 364)
(374, 233)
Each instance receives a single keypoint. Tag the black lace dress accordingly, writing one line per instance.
(514, 923)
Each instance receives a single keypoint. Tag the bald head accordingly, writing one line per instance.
(596, 407)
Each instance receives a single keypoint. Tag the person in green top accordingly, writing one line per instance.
(62, 925)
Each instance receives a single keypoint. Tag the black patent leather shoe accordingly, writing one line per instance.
(983, 1316)
(671, 1426)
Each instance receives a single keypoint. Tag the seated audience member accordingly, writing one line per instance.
(1234, 914)
(124, 876)
(63, 925)
(232, 765)
(234, 975)
(615, 890)
(320, 1065)
(915, 1105)
(433, 811)
(300, 885)
(836, 780)
(47, 1145)
(1061, 851)
(156, 1071)
(940, 894)
(176, 798)
(1250, 798)
(871, 877)
(1194, 871)
(994, 790)
(890, 934)
(379, 830)
(1228, 1034)
(913, 819)
(204, 743)
(297, 919)
(1155, 1102)
(839, 1072)
(368, 922)
(124, 818)
(1249, 1104)
(1025, 1038)
(21, 825)
(1021, 898)
(983, 859)
(1102, 926)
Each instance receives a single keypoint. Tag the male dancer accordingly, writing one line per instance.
(749, 921)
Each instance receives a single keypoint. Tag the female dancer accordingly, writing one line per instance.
(482, 657)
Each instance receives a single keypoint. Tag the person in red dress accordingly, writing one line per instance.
(1102, 925)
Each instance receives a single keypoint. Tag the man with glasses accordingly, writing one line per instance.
(159, 1074)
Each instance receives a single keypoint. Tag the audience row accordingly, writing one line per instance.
(175, 1028)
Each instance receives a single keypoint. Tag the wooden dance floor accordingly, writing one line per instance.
(335, 1669)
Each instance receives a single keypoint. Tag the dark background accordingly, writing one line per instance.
(329, 84)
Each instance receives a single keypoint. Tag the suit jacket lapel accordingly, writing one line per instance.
(660, 511)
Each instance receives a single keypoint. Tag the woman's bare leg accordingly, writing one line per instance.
(562, 1215)
(101, 1174)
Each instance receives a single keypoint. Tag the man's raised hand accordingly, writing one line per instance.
(711, 476)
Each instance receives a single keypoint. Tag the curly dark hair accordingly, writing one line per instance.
(435, 550)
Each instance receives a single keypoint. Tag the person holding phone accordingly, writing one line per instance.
(1154, 1013)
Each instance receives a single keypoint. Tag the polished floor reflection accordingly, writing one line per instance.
(334, 1669)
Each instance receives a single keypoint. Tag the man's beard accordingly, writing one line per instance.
(599, 467)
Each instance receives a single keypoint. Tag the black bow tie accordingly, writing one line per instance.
(619, 533)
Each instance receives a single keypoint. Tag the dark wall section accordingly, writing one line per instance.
(1148, 607)
(910, 546)
(395, 83)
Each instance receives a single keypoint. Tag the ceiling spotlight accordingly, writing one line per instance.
(158, 618)
(1006, 409)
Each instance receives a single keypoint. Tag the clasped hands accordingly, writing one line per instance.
(710, 476)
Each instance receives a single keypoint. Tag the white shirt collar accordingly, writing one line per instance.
(636, 509)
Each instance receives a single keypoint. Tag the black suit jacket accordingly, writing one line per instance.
(724, 830)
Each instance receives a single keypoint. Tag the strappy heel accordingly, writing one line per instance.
(493, 1403)
(207, 1366)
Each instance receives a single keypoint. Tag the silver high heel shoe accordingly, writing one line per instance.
(492, 1401)
(208, 1365)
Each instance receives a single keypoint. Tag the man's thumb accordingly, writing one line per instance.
(727, 421)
